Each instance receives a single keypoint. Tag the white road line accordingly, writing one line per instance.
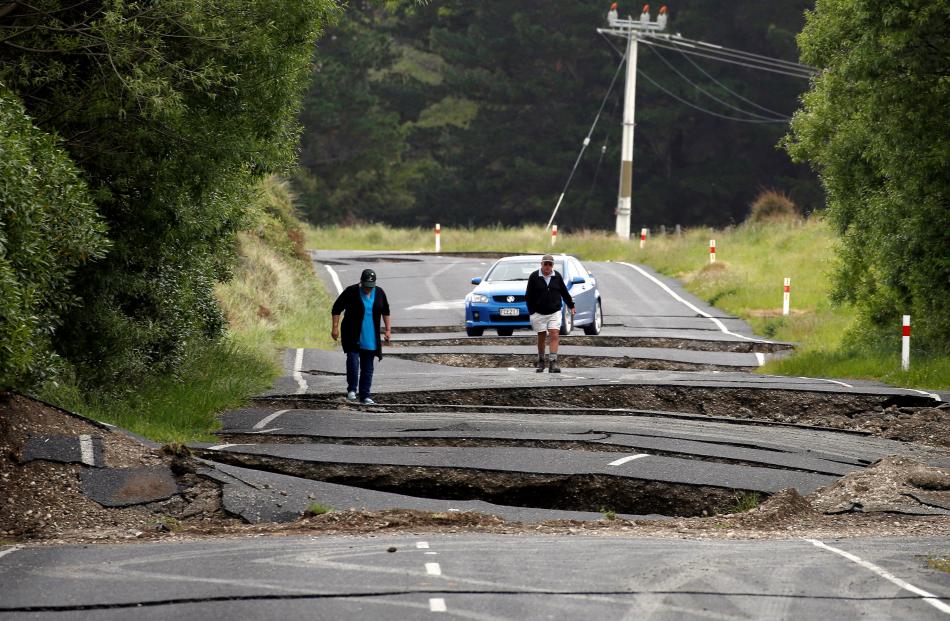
(691, 306)
(301, 382)
(263, 422)
(422, 545)
(221, 447)
(929, 394)
(760, 357)
(86, 454)
(433, 569)
(822, 379)
(437, 604)
(336, 279)
(10, 550)
(928, 597)
(624, 460)
(271, 430)
(431, 553)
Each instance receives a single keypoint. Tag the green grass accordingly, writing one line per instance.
(315, 508)
(743, 503)
(938, 563)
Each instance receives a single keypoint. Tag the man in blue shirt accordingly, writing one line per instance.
(362, 306)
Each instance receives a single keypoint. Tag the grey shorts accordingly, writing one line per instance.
(543, 323)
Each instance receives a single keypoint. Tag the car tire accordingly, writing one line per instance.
(567, 322)
(505, 331)
(594, 328)
(474, 331)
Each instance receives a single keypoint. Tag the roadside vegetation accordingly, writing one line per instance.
(752, 261)
(272, 302)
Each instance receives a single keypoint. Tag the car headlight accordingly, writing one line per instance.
(478, 298)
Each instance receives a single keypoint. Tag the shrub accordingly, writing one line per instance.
(48, 227)
(771, 205)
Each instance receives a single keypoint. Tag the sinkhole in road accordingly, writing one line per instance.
(742, 347)
(482, 361)
(579, 492)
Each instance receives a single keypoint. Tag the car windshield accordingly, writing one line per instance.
(518, 270)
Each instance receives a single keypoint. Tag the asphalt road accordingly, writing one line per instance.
(477, 577)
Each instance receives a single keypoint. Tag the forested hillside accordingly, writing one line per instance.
(476, 111)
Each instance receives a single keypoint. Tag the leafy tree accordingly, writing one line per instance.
(48, 228)
(172, 110)
(874, 126)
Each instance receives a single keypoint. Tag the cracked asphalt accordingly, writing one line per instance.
(465, 436)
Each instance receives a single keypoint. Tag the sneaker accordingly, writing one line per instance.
(539, 368)
(351, 397)
(368, 401)
(553, 368)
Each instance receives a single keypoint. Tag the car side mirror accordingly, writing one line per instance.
(578, 280)
(476, 280)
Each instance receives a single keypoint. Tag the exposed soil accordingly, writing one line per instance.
(565, 360)
(601, 341)
(40, 502)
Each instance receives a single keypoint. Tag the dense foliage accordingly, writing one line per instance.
(874, 125)
(171, 110)
(48, 227)
(473, 112)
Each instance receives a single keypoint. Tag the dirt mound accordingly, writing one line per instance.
(42, 499)
(889, 485)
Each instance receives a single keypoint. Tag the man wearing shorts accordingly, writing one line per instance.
(543, 296)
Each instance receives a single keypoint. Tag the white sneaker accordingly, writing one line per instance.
(368, 401)
(351, 397)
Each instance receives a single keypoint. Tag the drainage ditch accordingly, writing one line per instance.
(565, 360)
(597, 493)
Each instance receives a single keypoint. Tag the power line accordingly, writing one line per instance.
(714, 97)
(586, 142)
(762, 67)
(641, 73)
(738, 53)
(726, 88)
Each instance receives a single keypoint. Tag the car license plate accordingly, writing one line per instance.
(508, 312)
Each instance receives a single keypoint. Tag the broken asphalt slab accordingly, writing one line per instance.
(83, 449)
(122, 487)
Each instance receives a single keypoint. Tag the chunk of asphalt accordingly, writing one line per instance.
(941, 501)
(83, 449)
(122, 487)
(254, 495)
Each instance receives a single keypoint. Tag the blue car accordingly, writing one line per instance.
(498, 299)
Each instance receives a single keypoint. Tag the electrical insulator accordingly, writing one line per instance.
(645, 15)
(661, 18)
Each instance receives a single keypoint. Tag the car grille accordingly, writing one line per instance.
(503, 299)
(510, 319)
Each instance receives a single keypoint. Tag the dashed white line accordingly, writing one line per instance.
(433, 569)
(298, 363)
(624, 460)
(760, 357)
(929, 394)
(267, 419)
(422, 545)
(86, 454)
(928, 597)
(10, 550)
(336, 279)
(221, 447)
(691, 306)
(437, 604)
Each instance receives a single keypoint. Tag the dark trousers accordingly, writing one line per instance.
(359, 372)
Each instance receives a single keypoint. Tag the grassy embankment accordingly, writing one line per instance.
(273, 302)
(746, 280)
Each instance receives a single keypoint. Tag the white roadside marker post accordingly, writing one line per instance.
(643, 237)
(712, 250)
(786, 295)
(553, 234)
(438, 237)
(905, 344)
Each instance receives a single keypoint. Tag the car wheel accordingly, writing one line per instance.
(506, 331)
(474, 331)
(567, 322)
(598, 323)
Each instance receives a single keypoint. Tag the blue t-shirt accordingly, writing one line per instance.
(369, 332)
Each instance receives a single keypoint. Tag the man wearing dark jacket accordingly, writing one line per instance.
(362, 306)
(543, 296)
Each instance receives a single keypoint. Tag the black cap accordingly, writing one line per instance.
(368, 278)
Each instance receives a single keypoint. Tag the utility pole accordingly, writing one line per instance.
(629, 29)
